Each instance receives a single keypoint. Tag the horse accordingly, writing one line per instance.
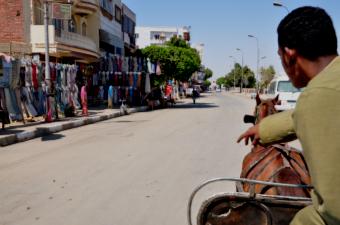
(274, 163)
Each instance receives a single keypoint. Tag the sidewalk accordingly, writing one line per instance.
(20, 132)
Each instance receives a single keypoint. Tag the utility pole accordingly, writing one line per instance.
(49, 91)
(233, 68)
(257, 61)
(48, 117)
(241, 86)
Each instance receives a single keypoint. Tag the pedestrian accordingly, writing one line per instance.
(308, 51)
(195, 95)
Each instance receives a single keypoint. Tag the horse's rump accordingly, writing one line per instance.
(276, 164)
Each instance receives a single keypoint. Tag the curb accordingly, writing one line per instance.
(43, 131)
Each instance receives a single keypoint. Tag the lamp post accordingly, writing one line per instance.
(278, 4)
(257, 61)
(234, 66)
(241, 86)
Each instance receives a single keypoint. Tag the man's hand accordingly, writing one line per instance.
(252, 134)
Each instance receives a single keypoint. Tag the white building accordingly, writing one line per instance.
(147, 36)
(200, 49)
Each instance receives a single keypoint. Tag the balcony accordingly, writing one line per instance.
(63, 43)
(85, 7)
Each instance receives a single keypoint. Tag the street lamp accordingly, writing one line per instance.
(257, 61)
(241, 86)
(278, 4)
(234, 69)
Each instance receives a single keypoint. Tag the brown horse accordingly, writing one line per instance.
(275, 163)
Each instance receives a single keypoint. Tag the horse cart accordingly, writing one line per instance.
(274, 184)
(247, 208)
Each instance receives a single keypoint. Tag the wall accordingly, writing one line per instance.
(12, 24)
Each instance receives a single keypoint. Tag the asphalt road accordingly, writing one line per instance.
(133, 170)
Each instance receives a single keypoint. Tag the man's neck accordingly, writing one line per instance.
(313, 68)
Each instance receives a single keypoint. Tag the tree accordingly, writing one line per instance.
(208, 73)
(267, 75)
(235, 75)
(177, 63)
(206, 83)
(177, 42)
(220, 81)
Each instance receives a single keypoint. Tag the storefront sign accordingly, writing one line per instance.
(61, 11)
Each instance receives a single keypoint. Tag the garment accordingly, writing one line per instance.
(315, 121)
(110, 97)
(83, 95)
(7, 72)
(35, 77)
(15, 78)
(147, 84)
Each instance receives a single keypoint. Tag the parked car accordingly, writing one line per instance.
(288, 94)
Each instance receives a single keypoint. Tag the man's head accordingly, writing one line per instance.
(307, 33)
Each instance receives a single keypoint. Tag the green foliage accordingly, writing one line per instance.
(267, 75)
(249, 80)
(177, 42)
(206, 83)
(177, 63)
(220, 81)
(208, 73)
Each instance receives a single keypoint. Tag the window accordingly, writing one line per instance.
(286, 86)
(271, 89)
(156, 36)
(118, 14)
(58, 26)
(107, 6)
(38, 13)
(83, 29)
(72, 25)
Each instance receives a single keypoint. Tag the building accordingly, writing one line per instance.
(110, 29)
(147, 36)
(128, 28)
(72, 40)
(200, 49)
(96, 27)
(15, 26)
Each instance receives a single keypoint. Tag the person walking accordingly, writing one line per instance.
(308, 51)
(195, 95)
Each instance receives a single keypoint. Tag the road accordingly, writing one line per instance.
(132, 170)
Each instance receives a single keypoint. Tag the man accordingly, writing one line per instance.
(308, 50)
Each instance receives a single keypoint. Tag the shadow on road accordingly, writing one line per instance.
(52, 137)
(195, 106)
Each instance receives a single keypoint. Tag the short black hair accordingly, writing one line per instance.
(310, 31)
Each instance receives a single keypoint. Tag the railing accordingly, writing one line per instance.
(76, 40)
(93, 2)
(59, 36)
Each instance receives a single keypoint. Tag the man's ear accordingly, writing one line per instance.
(290, 55)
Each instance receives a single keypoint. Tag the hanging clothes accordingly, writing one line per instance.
(147, 84)
(115, 95)
(158, 69)
(110, 97)
(35, 77)
(7, 70)
(83, 95)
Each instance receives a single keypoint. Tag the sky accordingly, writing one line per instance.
(224, 25)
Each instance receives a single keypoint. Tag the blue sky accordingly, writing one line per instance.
(224, 25)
